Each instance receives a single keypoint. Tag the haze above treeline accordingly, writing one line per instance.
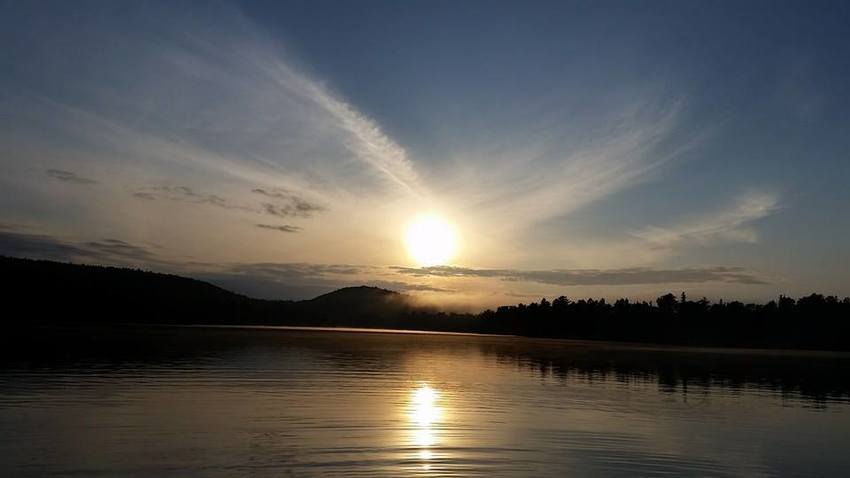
(46, 292)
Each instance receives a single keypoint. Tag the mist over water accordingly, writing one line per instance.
(225, 402)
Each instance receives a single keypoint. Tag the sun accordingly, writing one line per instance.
(430, 241)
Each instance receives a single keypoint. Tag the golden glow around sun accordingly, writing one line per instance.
(430, 241)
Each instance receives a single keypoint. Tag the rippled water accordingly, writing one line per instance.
(239, 402)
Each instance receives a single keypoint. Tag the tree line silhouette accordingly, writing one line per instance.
(38, 292)
(814, 321)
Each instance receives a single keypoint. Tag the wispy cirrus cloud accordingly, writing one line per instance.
(270, 124)
(730, 225)
(536, 182)
(365, 138)
(326, 137)
(682, 237)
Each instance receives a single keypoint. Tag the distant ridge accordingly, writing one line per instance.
(347, 293)
(38, 292)
(62, 292)
(356, 293)
(49, 291)
(361, 301)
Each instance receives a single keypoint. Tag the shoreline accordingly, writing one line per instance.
(548, 341)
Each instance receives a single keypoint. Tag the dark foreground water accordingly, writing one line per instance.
(158, 402)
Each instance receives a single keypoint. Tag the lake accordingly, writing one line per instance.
(159, 402)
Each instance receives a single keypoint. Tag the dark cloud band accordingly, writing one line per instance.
(281, 228)
(283, 203)
(69, 177)
(635, 276)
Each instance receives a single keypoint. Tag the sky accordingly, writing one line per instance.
(282, 149)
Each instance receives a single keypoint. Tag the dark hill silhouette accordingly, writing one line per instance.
(36, 291)
(48, 291)
(58, 292)
(360, 302)
(354, 295)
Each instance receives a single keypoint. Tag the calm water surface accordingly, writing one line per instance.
(235, 402)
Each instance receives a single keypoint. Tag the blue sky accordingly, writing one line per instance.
(585, 148)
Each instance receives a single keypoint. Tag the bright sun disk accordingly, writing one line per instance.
(431, 241)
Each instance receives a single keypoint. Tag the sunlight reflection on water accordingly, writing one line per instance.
(194, 402)
(425, 415)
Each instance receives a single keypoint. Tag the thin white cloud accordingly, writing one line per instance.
(279, 116)
(731, 225)
(366, 140)
(230, 105)
(527, 183)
